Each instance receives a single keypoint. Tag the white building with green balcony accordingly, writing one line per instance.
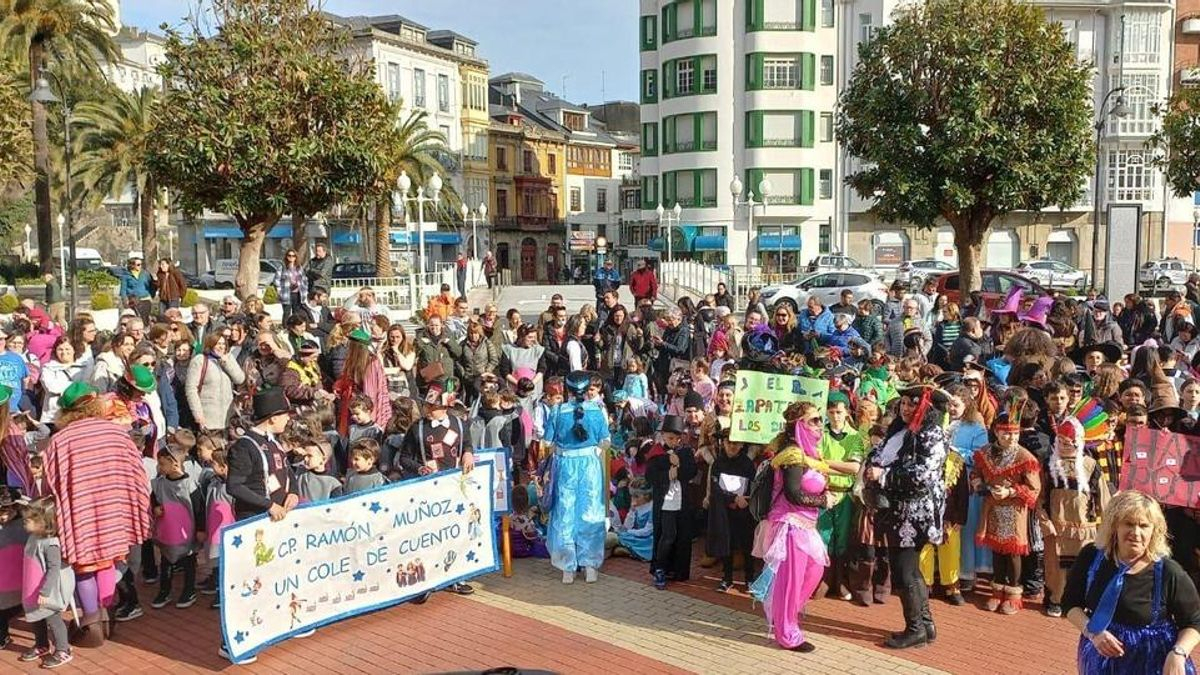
(740, 88)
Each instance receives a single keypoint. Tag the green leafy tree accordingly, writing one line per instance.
(963, 111)
(16, 142)
(1178, 141)
(264, 116)
(110, 145)
(35, 32)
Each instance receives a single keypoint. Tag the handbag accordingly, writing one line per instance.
(433, 372)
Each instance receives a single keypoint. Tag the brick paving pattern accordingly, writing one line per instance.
(535, 622)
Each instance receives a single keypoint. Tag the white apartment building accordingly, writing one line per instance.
(1131, 45)
(141, 53)
(742, 88)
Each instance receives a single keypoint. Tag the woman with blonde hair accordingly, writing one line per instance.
(399, 361)
(1133, 605)
(252, 305)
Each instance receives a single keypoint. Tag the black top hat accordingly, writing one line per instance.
(270, 403)
(1112, 352)
(1166, 417)
(693, 400)
(672, 424)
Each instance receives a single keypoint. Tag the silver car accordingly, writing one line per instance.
(1053, 274)
(915, 272)
(1163, 275)
(827, 287)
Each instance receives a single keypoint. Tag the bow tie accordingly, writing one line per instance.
(442, 423)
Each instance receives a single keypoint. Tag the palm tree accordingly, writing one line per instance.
(421, 152)
(111, 149)
(71, 31)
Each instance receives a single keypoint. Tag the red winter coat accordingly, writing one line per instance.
(643, 284)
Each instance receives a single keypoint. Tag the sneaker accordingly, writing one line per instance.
(660, 580)
(724, 586)
(245, 660)
(422, 598)
(30, 655)
(1053, 610)
(127, 613)
(186, 600)
(56, 659)
(590, 575)
(460, 589)
(5, 642)
(161, 600)
(304, 633)
(568, 577)
(208, 586)
(150, 579)
(956, 599)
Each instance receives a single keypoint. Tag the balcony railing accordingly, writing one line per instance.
(696, 202)
(782, 199)
(781, 142)
(782, 25)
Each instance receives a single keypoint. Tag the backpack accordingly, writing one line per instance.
(761, 492)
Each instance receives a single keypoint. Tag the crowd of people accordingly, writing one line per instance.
(962, 448)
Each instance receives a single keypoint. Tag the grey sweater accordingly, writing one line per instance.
(209, 388)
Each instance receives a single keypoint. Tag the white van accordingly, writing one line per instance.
(225, 273)
(85, 258)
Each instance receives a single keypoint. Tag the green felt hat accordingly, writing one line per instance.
(6, 393)
(361, 336)
(838, 396)
(142, 378)
(76, 394)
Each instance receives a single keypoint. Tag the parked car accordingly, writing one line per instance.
(1054, 274)
(225, 273)
(827, 287)
(1163, 275)
(203, 282)
(836, 262)
(915, 272)
(355, 270)
(995, 286)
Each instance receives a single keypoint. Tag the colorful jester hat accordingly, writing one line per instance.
(1094, 419)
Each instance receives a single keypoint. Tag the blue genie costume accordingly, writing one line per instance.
(575, 487)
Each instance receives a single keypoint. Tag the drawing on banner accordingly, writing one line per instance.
(501, 485)
(331, 560)
(761, 398)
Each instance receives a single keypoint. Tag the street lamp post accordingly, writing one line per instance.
(43, 94)
(62, 262)
(1195, 234)
(668, 219)
(29, 242)
(601, 250)
(764, 191)
(1119, 109)
(401, 198)
(475, 217)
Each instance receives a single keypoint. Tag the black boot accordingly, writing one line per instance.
(914, 629)
(927, 617)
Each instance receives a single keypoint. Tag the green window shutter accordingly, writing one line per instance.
(754, 129)
(669, 80)
(649, 32)
(754, 15)
(698, 185)
(668, 136)
(806, 187)
(807, 132)
(753, 178)
(698, 130)
(808, 71)
(808, 15)
(754, 71)
(697, 16)
(668, 188)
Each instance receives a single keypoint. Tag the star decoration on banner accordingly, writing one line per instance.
(375, 507)
(239, 637)
(470, 556)
(358, 576)
(237, 540)
(460, 509)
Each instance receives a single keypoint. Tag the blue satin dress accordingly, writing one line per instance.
(578, 520)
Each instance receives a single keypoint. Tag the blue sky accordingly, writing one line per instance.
(591, 42)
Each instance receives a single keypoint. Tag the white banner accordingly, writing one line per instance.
(501, 498)
(331, 560)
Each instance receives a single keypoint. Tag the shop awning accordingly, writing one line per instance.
(774, 242)
(347, 238)
(682, 238)
(709, 242)
(431, 238)
(235, 232)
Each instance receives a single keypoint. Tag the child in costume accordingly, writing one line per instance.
(526, 540)
(12, 553)
(634, 537)
(968, 434)
(1074, 496)
(47, 585)
(670, 467)
(178, 504)
(730, 526)
(842, 448)
(218, 513)
(1008, 478)
(787, 540)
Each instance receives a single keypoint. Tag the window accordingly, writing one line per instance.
(825, 237)
(1141, 94)
(650, 139)
(826, 127)
(827, 13)
(708, 77)
(552, 163)
(393, 81)
(625, 161)
(696, 188)
(445, 132)
(1130, 176)
(574, 121)
(684, 77)
(601, 200)
(649, 192)
(444, 93)
(649, 86)
(649, 33)
(1143, 37)
(866, 27)
(826, 184)
(780, 74)
(419, 88)
(502, 203)
(502, 159)
(631, 199)
(527, 161)
(826, 70)
(576, 200)
(779, 129)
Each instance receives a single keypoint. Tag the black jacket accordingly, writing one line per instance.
(247, 484)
